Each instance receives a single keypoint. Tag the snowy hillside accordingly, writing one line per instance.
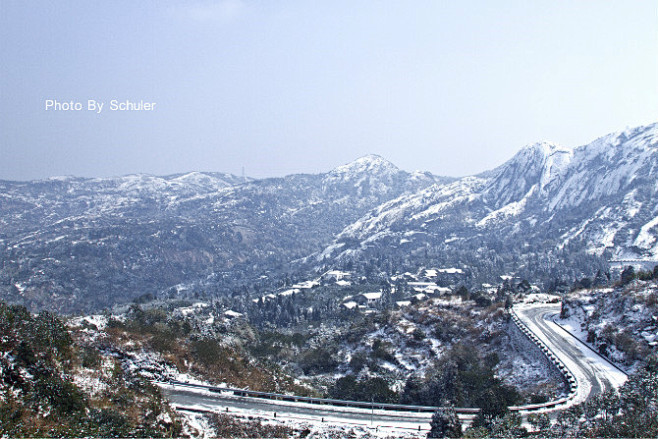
(548, 215)
(373, 175)
(599, 199)
(620, 322)
(91, 243)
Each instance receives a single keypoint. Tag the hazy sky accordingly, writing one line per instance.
(453, 87)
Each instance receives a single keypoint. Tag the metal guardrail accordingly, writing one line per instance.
(566, 373)
(323, 401)
(550, 355)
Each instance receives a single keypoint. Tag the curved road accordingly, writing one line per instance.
(195, 399)
(593, 373)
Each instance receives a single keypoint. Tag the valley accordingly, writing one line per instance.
(366, 283)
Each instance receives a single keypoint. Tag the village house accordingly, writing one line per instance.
(368, 299)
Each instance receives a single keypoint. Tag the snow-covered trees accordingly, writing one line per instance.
(41, 371)
(444, 424)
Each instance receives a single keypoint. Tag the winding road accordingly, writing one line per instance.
(593, 375)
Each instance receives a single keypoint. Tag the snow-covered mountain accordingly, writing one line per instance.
(39, 204)
(373, 175)
(71, 243)
(599, 199)
(79, 244)
(533, 168)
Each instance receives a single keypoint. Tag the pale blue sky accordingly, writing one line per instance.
(279, 87)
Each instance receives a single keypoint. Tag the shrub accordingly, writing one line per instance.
(539, 421)
(228, 427)
(380, 350)
(110, 423)
(358, 361)
(418, 334)
(372, 389)
(90, 357)
(207, 351)
(318, 360)
(63, 395)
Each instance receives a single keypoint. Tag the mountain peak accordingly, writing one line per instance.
(535, 166)
(543, 149)
(372, 158)
(370, 175)
(371, 163)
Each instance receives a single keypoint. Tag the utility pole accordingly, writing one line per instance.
(372, 409)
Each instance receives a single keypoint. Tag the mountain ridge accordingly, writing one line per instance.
(598, 195)
(63, 241)
(77, 244)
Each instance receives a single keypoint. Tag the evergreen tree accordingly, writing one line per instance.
(628, 275)
(600, 280)
(386, 301)
(445, 423)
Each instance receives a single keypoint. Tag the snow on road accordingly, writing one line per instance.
(379, 423)
(593, 373)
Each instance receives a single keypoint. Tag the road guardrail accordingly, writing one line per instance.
(550, 355)
(321, 401)
(553, 358)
